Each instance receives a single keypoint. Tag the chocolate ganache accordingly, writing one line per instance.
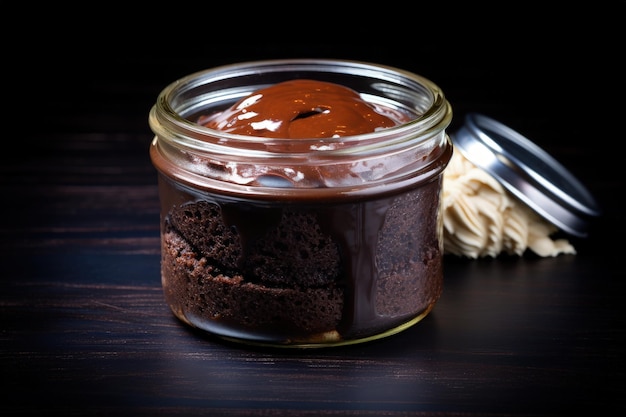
(302, 109)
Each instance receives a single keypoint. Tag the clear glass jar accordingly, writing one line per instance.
(301, 242)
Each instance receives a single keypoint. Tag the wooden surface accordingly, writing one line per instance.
(85, 330)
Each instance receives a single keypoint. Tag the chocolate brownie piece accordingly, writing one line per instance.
(198, 293)
(409, 253)
(201, 224)
(294, 253)
(291, 251)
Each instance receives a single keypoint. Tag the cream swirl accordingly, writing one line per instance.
(482, 219)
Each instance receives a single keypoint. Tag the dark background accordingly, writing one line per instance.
(554, 74)
(83, 326)
(561, 65)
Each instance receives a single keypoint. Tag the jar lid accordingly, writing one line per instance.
(528, 172)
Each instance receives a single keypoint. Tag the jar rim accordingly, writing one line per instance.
(169, 111)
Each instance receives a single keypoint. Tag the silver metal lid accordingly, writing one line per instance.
(528, 172)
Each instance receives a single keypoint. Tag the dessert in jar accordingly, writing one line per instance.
(301, 200)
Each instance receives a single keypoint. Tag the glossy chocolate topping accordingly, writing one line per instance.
(300, 109)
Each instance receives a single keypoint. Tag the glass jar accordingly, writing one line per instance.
(301, 242)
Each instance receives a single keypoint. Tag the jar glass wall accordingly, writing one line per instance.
(303, 242)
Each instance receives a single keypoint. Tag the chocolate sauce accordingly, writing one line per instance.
(302, 109)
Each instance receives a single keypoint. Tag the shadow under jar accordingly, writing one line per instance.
(308, 242)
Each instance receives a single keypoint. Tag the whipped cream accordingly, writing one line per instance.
(481, 218)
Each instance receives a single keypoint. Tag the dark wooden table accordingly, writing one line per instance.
(85, 329)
